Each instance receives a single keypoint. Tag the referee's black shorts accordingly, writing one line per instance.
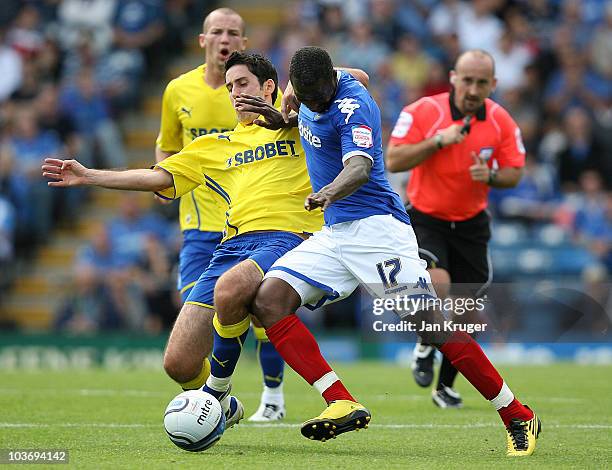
(461, 248)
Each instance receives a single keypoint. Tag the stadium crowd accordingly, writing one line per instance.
(72, 68)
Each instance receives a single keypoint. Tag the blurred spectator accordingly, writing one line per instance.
(131, 228)
(437, 79)
(89, 307)
(7, 230)
(541, 15)
(388, 94)
(30, 84)
(526, 114)
(116, 73)
(572, 19)
(413, 15)
(581, 152)
(91, 16)
(112, 273)
(333, 23)
(592, 223)
(478, 27)
(445, 17)
(11, 66)
(88, 108)
(384, 20)
(98, 255)
(574, 85)
(33, 198)
(409, 63)
(26, 35)
(52, 118)
(533, 200)
(601, 47)
(361, 49)
(138, 27)
(511, 58)
(153, 276)
(49, 61)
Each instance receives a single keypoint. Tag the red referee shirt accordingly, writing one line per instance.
(441, 186)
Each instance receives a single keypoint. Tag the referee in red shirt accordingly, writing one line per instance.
(458, 145)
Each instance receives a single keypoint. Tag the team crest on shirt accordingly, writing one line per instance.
(347, 106)
(362, 136)
(485, 153)
(403, 125)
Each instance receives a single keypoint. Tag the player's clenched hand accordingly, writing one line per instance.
(452, 135)
(314, 200)
(479, 170)
(64, 173)
(254, 104)
(289, 102)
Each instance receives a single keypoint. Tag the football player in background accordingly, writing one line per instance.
(194, 104)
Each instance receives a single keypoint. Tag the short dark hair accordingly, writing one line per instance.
(309, 66)
(258, 65)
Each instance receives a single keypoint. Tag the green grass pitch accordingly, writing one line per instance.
(114, 420)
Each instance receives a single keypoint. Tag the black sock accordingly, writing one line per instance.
(447, 374)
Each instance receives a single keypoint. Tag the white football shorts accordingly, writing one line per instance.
(379, 252)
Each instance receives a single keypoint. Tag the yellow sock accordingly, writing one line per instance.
(200, 380)
(260, 333)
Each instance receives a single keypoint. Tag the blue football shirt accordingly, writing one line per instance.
(350, 127)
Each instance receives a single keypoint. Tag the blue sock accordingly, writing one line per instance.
(272, 364)
(227, 346)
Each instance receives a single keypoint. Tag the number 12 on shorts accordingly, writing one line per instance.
(389, 280)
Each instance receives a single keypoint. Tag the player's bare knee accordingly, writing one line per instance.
(180, 367)
(440, 278)
(227, 299)
(235, 291)
(269, 304)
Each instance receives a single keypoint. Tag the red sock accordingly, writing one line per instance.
(515, 410)
(300, 350)
(466, 355)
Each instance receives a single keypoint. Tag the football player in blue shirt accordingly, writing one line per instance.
(367, 239)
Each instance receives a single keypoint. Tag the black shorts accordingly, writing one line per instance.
(458, 247)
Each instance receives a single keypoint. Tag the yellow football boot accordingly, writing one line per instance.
(522, 436)
(339, 417)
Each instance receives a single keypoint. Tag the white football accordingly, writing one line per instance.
(194, 420)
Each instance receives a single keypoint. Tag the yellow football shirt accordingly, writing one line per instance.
(262, 178)
(191, 108)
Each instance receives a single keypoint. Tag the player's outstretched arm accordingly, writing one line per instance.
(356, 173)
(68, 173)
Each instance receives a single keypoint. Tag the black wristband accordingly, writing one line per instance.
(492, 176)
(438, 140)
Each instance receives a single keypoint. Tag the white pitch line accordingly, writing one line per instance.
(288, 425)
(145, 393)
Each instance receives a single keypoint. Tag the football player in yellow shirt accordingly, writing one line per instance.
(263, 183)
(194, 104)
